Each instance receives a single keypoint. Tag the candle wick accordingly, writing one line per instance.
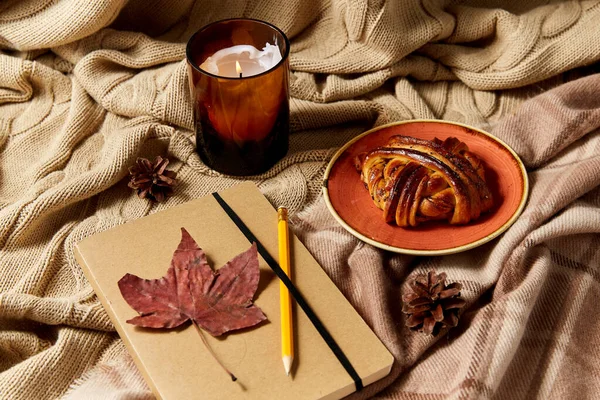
(240, 74)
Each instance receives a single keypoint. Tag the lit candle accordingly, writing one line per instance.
(240, 95)
(242, 59)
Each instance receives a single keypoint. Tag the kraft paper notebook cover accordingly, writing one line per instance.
(176, 364)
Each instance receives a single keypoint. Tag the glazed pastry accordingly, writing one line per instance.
(414, 180)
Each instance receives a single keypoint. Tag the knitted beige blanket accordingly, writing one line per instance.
(88, 86)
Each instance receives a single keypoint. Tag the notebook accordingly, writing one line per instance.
(176, 364)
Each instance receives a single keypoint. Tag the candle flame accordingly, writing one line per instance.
(238, 67)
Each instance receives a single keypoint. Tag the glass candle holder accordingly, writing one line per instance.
(241, 122)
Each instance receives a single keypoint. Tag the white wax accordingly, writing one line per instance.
(252, 61)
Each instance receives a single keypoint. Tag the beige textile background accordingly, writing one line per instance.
(88, 86)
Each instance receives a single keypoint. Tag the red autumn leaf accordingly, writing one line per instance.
(218, 301)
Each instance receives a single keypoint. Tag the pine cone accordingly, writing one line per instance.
(152, 180)
(431, 304)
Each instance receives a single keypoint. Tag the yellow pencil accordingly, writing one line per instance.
(287, 332)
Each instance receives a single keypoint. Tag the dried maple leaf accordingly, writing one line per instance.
(218, 301)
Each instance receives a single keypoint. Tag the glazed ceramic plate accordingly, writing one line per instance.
(351, 204)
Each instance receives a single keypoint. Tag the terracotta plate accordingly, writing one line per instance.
(351, 205)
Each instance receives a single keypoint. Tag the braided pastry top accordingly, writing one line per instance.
(414, 180)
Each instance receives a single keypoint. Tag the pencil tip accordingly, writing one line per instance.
(287, 364)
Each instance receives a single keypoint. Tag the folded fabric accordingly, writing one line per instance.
(87, 87)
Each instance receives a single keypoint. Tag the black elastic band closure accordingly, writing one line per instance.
(337, 351)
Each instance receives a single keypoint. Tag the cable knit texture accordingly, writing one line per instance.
(86, 87)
